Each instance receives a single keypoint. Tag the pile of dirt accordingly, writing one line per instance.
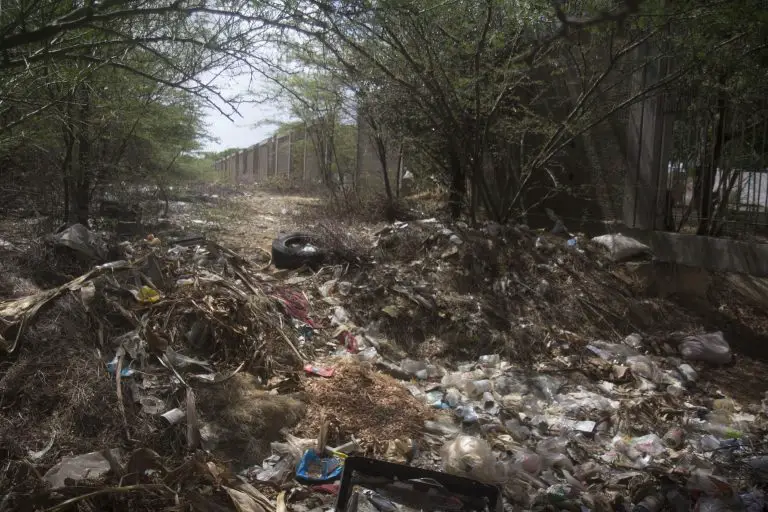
(360, 403)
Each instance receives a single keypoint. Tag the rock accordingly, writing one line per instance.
(81, 467)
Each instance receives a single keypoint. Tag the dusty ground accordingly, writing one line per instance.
(248, 223)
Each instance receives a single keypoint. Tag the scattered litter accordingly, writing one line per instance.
(710, 348)
(621, 247)
(316, 469)
(174, 416)
(89, 466)
(322, 371)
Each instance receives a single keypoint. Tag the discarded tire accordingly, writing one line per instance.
(295, 250)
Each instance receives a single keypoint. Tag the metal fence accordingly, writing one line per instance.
(717, 167)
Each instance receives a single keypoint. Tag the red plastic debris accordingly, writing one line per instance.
(322, 371)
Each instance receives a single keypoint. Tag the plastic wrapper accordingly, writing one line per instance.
(614, 352)
(510, 384)
(710, 348)
(650, 444)
(547, 385)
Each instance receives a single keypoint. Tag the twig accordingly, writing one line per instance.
(33, 468)
(107, 490)
(293, 347)
(120, 404)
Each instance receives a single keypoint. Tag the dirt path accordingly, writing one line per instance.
(250, 222)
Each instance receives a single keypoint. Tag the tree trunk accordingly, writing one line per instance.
(66, 165)
(82, 192)
(709, 171)
(458, 185)
(381, 149)
(399, 177)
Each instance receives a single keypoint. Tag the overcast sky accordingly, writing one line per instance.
(244, 131)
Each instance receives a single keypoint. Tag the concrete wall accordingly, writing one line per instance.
(295, 156)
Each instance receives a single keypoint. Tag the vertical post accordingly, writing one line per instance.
(306, 142)
(290, 154)
(647, 149)
(277, 154)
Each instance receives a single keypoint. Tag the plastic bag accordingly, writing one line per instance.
(530, 462)
(621, 247)
(510, 384)
(614, 352)
(453, 397)
(547, 385)
(710, 348)
(416, 368)
(650, 444)
(643, 366)
(471, 457)
(581, 403)
(313, 468)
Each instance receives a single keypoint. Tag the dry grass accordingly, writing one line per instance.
(246, 418)
(358, 401)
(57, 386)
(344, 243)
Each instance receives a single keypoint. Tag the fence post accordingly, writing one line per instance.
(647, 149)
(306, 142)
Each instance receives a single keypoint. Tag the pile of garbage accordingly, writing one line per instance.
(167, 350)
(505, 289)
(179, 373)
(610, 426)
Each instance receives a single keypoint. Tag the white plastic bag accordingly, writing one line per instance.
(471, 457)
(644, 366)
(621, 247)
(710, 348)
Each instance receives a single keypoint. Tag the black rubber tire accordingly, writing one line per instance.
(287, 251)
